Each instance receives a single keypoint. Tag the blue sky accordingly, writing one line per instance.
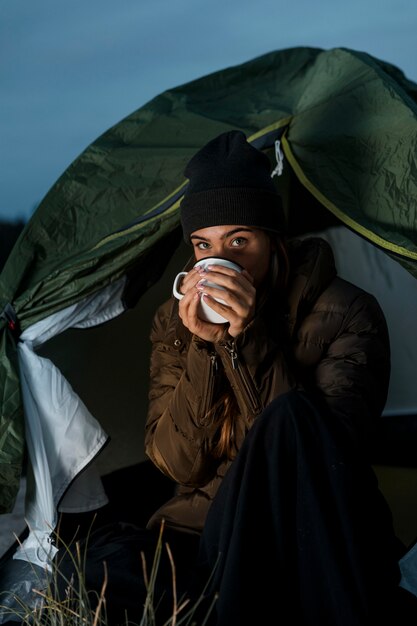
(70, 70)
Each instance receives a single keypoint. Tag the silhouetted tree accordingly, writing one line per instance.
(9, 232)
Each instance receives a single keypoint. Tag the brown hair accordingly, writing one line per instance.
(226, 409)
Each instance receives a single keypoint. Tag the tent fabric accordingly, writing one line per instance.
(59, 449)
(348, 130)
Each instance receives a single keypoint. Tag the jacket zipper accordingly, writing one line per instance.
(245, 385)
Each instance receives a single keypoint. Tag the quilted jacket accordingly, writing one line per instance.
(330, 337)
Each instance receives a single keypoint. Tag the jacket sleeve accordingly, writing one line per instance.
(178, 432)
(352, 373)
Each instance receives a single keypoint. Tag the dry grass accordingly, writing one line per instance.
(44, 606)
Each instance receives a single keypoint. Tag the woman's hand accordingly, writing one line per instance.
(238, 294)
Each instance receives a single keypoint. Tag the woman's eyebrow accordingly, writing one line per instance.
(198, 237)
(237, 230)
(228, 234)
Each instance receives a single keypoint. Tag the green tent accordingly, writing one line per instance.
(106, 240)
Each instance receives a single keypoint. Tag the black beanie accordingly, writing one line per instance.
(230, 183)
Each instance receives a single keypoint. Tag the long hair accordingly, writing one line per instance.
(225, 410)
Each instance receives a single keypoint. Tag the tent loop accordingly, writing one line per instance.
(279, 155)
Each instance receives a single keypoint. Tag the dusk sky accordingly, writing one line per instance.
(70, 70)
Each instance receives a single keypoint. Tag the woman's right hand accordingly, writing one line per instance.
(188, 309)
(239, 296)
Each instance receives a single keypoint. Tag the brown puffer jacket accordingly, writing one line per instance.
(336, 343)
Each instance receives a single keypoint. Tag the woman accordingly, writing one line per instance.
(263, 421)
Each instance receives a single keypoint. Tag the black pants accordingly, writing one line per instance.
(299, 532)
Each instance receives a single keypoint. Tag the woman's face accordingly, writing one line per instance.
(250, 247)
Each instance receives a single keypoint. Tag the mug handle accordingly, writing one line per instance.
(177, 280)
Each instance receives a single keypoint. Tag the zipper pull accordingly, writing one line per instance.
(230, 348)
(214, 364)
(233, 357)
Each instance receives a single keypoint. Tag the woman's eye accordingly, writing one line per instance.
(239, 241)
(202, 245)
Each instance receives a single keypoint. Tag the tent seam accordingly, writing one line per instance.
(351, 223)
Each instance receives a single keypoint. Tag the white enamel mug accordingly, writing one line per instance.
(205, 311)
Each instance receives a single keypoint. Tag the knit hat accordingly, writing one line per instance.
(230, 183)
